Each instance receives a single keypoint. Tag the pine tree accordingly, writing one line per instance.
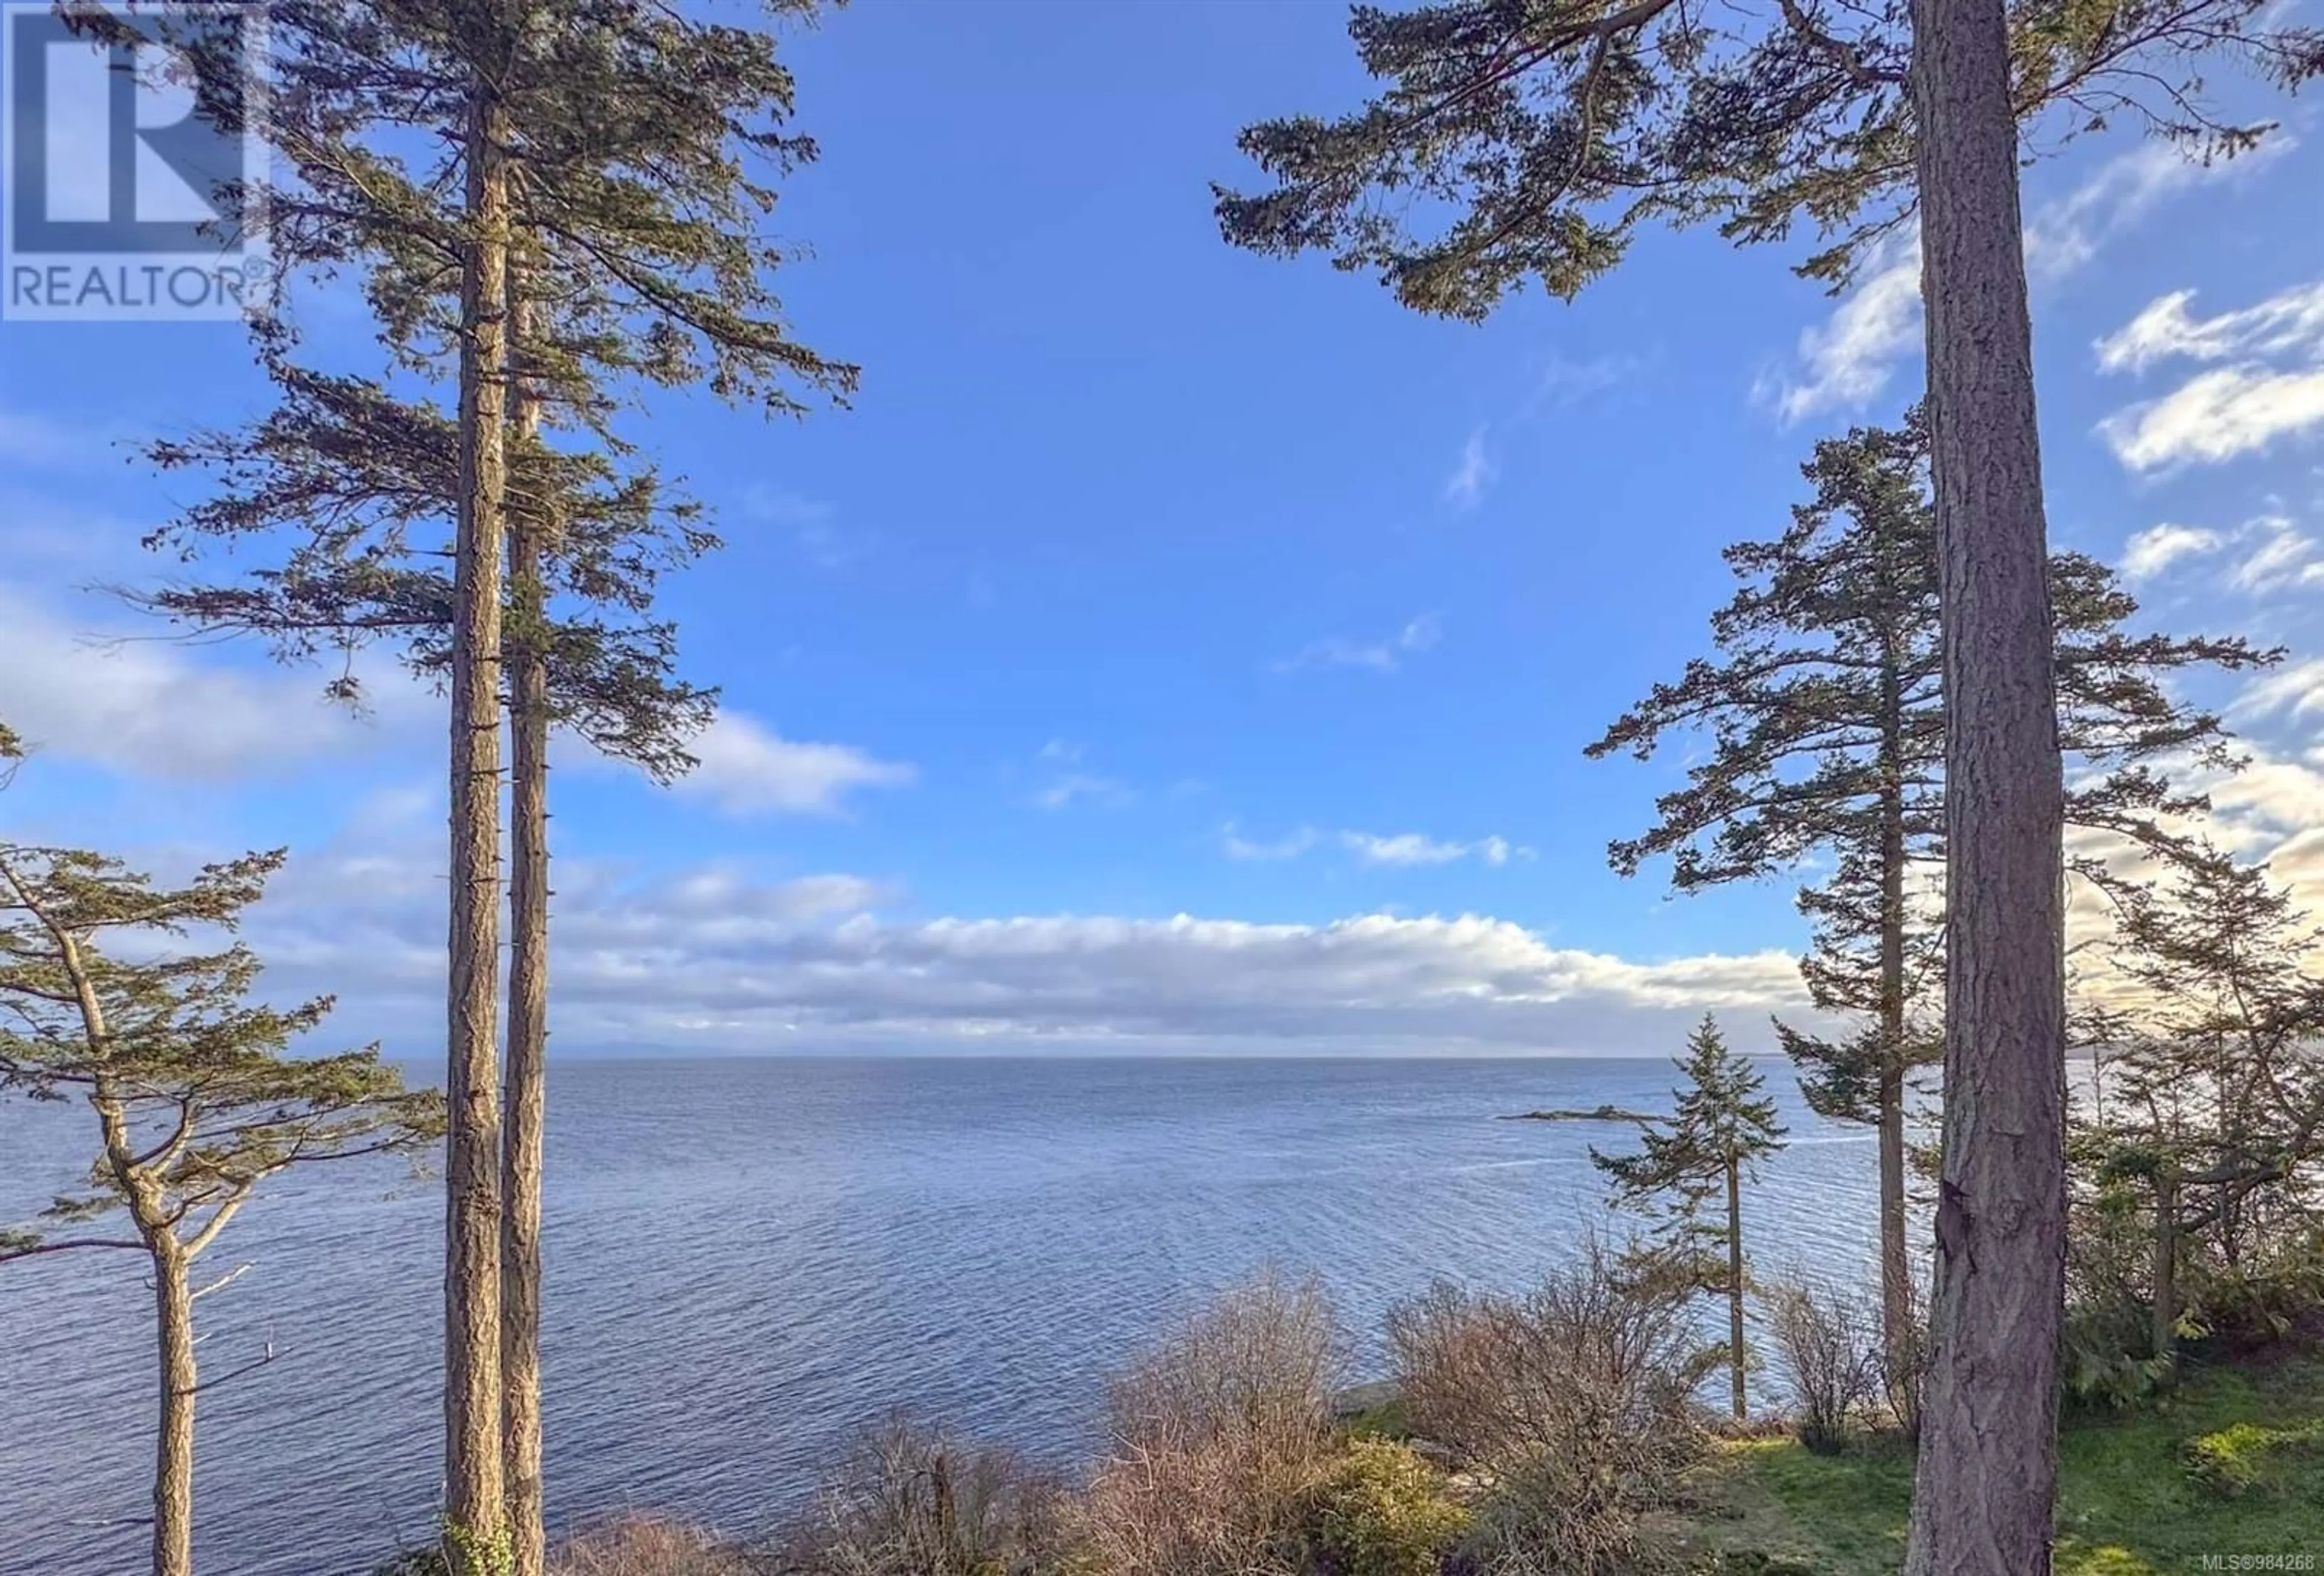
(1535, 137)
(609, 244)
(1825, 713)
(1722, 1125)
(476, 1508)
(196, 1097)
(2208, 1093)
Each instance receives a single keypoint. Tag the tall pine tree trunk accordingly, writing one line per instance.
(1898, 1337)
(528, 987)
(1734, 1283)
(1985, 1491)
(472, 1492)
(173, 1456)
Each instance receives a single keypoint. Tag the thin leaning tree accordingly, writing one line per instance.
(613, 158)
(196, 1095)
(1823, 712)
(1722, 1125)
(1535, 137)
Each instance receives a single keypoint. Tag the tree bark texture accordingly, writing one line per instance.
(173, 1460)
(474, 1503)
(1984, 1489)
(528, 996)
(1735, 1284)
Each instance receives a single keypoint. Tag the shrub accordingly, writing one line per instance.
(1381, 1509)
(2261, 1299)
(2235, 1461)
(646, 1546)
(1575, 1402)
(1905, 1372)
(912, 1502)
(1218, 1433)
(2108, 1356)
(489, 1556)
(1830, 1343)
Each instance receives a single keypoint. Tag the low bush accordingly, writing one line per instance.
(1573, 1404)
(649, 1546)
(2244, 1457)
(2262, 1298)
(1381, 1509)
(631, 1545)
(1830, 1343)
(1218, 1433)
(911, 1501)
(2106, 1351)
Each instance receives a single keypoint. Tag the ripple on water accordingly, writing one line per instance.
(748, 1260)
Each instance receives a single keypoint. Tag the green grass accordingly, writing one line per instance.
(2232, 1464)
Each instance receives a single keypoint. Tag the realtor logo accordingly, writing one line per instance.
(129, 195)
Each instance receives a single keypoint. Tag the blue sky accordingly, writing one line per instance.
(1148, 578)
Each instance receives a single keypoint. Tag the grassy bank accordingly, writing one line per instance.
(2233, 1463)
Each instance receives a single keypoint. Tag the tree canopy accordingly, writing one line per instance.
(1516, 140)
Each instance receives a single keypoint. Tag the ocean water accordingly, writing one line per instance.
(748, 1260)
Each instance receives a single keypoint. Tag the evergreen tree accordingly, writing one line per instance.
(610, 157)
(1533, 138)
(2208, 1093)
(1825, 713)
(194, 1098)
(1722, 1123)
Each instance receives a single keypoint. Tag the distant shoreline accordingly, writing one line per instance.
(1598, 1113)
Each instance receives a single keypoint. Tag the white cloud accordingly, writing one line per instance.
(1289, 847)
(1473, 474)
(2273, 387)
(174, 711)
(747, 768)
(1419, 633)
(1499, 851)
(2292, 692)
(2150, 552)
(1080, 785)
(2290, 320)
(2270, 802)
(1403, 848)
(1847, 361)
(1413, 848)
(1565, 381)
(721, 959)
(2271, 810)
(2284, 559)
(2266, 556)
(164, 709)
(2066, 234)
(812, 524)
(1070, 783)
(2216, 416)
